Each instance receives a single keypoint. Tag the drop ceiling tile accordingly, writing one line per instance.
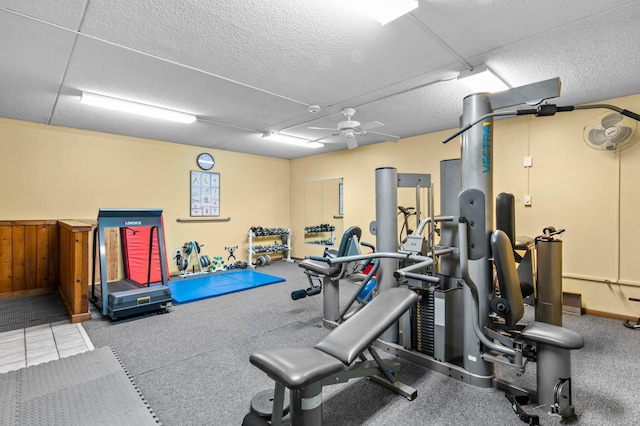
(113, 71)
(66, 13)
(594, 60)
(314, 52)
(471, 27)
(34, 57)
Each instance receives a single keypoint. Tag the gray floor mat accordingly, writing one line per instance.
(28, 311)
(89, 388)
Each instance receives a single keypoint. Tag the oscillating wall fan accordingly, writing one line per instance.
(350, 129)
(610, 131)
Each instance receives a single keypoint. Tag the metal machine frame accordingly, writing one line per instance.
(465, 269)
(123, 298)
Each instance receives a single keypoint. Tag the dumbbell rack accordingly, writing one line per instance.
(285, 247)
(317, 232)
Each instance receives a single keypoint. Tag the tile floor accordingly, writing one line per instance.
(41, 343)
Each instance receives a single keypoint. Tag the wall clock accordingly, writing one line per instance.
(206, 161)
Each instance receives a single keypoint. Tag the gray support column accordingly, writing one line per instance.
(306, 405)
(549, 291)
(477, 173)
(330, 299)
(553, 364)
(387, 234)
(450, 187)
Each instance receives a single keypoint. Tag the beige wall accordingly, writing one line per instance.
(52, 172)
(593, 194)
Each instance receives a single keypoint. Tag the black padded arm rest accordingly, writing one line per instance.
(295, 367)
(320, 267)
(507, 276)
(356, 334)
(549, 334)
(505, 214)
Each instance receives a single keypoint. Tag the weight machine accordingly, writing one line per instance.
(465, 338)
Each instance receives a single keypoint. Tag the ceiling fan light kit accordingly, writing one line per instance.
(481, 79)
(130, 107)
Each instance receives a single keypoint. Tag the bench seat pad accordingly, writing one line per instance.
(549, 334)
(356, 334)
(296, 367)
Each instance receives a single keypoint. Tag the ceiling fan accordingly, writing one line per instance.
(349, 129)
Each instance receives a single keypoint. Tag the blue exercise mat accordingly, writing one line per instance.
(214, 285)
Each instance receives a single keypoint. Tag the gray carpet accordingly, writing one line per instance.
(192, 365)
(91, 388)
(28, 311)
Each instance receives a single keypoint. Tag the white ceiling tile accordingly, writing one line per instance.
(66, 13)
(34, 57)
(307, 51)
(470, 27)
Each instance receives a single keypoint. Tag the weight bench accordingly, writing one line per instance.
(337, 358)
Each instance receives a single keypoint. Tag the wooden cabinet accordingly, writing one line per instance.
(41, 256)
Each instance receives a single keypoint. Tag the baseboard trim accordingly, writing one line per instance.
(608, 315)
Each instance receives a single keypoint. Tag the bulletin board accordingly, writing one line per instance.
(205, 193)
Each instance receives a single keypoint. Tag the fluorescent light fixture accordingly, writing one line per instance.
(385, 11)
(291, 140)
(481, 79)
(135, 108)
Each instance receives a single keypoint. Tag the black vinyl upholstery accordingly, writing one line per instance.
(507, 276)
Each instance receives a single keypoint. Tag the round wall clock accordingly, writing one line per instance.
(206, 161)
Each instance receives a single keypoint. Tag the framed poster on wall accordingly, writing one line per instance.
(205, 193)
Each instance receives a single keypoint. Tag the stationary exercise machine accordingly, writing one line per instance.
(122, 298)
(326, 278)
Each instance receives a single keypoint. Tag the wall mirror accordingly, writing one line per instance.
(323, 210)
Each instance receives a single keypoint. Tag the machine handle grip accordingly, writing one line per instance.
(630, 114)
(371, 246)
(298, 294)
(318, 258)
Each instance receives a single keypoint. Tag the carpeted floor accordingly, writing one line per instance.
(192, 365)
(28, 311)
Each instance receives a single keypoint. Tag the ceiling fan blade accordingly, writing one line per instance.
(394, 137)
(371, 125)
(321, 128)
(329, 139)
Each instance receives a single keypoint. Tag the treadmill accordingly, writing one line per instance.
(123, 298)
